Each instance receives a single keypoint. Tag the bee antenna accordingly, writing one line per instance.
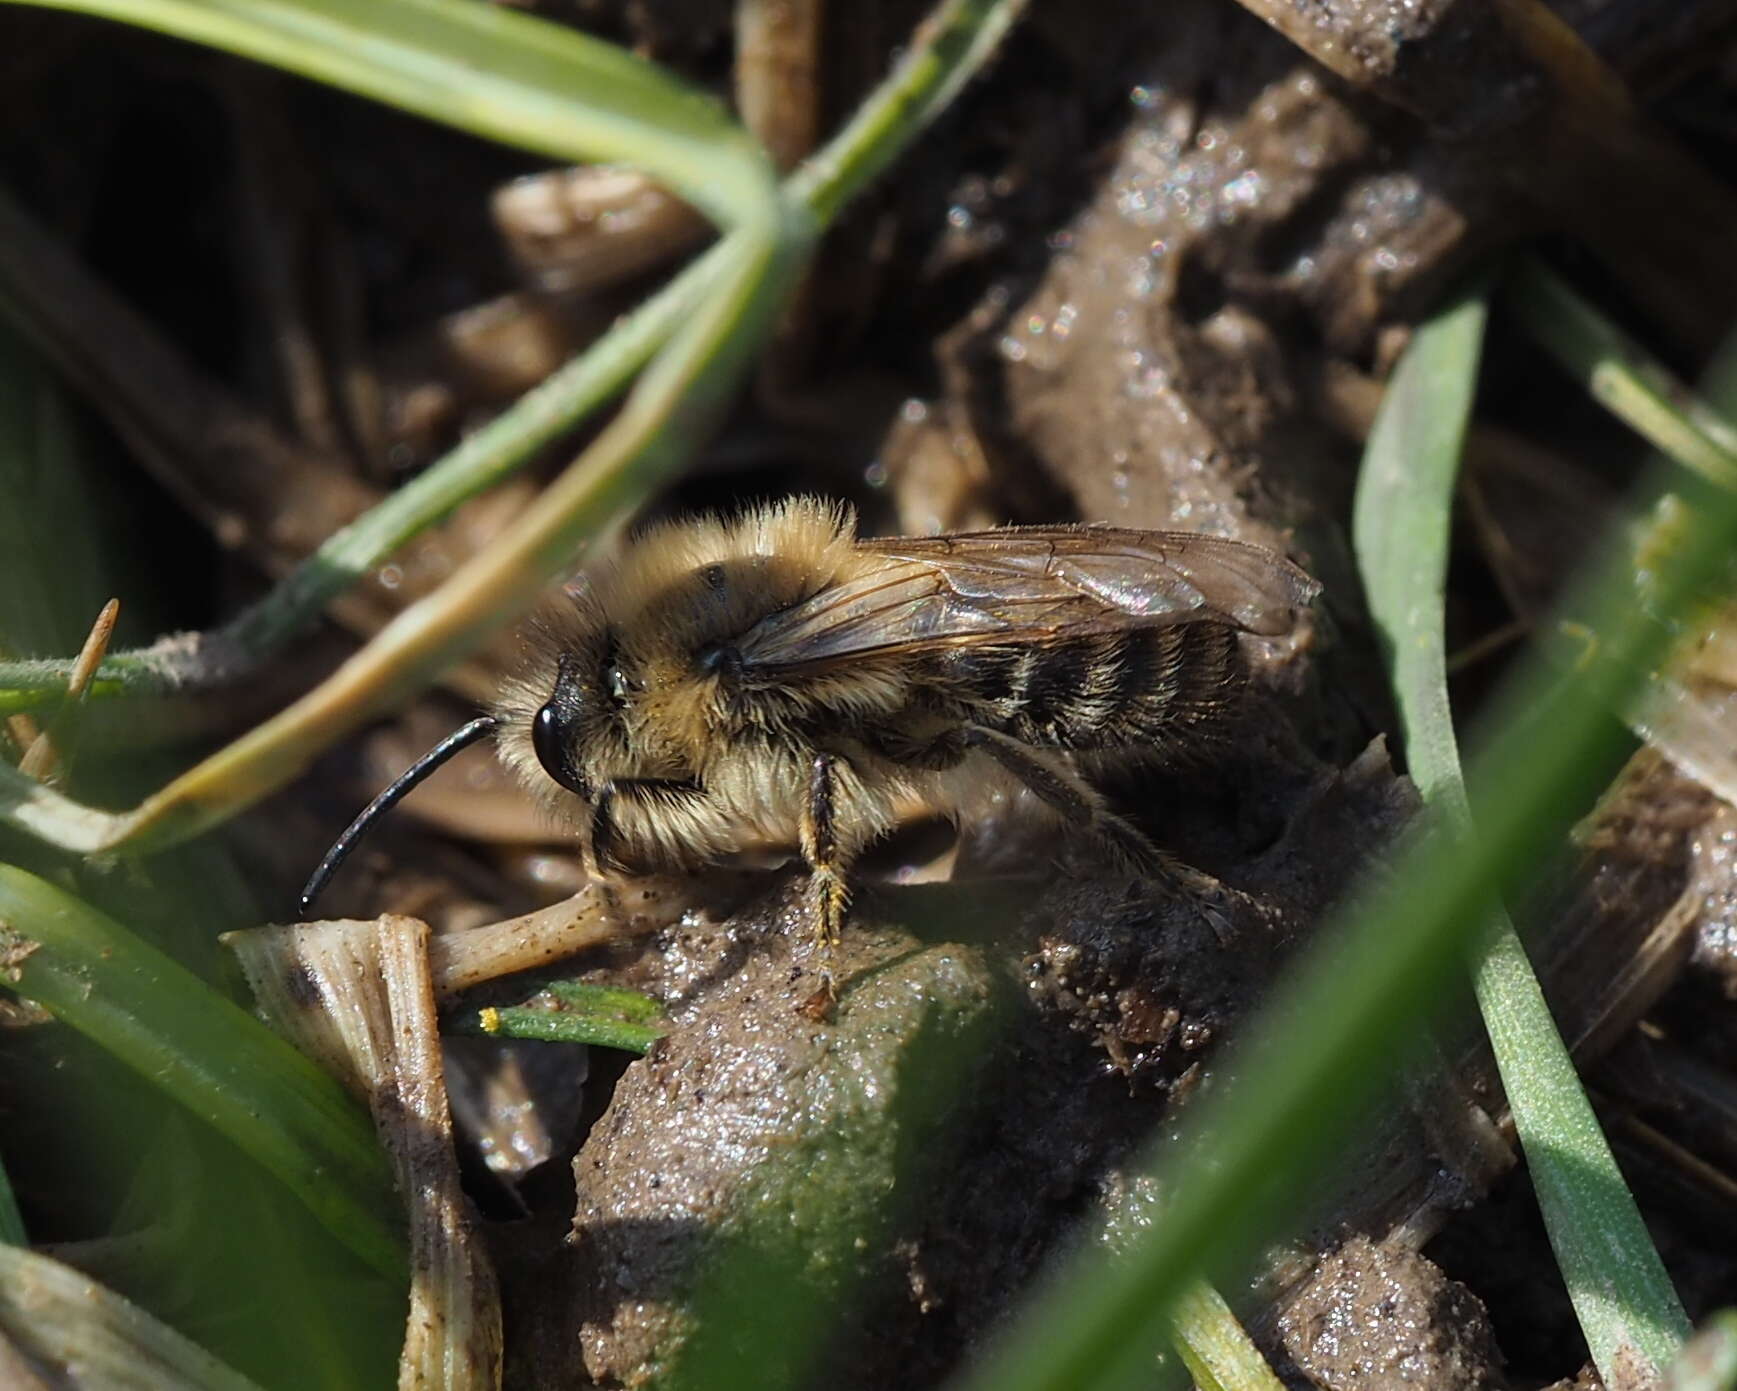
(461, 738)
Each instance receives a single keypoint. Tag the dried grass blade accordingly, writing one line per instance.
(359, 997)
(61, 1331)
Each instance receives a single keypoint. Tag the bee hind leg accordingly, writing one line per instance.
(1082, 807)
(827, 864)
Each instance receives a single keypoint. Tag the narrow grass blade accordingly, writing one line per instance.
(210, 1055)
(1620, 374)
(948, 51)
(571, 1013)
(1215, 1347)
(1403, 515)
(1349, 1007)
(648, 439)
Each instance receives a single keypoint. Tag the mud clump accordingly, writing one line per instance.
(1380, 1318)
(997, 1054)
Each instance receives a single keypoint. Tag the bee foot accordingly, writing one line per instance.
(829, 897)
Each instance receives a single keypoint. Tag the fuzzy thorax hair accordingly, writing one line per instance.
(628, 638)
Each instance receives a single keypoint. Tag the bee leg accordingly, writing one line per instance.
(1082, 806)
(594, 850)
(601, 832)
(820, 849)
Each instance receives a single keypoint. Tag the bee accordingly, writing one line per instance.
(775, 679)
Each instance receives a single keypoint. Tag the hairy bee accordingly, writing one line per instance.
(774, 679)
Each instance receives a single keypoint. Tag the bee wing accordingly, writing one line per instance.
(1031, 584)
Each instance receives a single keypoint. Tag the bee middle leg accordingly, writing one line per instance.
(1083, 807)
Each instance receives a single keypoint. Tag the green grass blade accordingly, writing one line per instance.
(1402, 524)
(565, 1026)
(1298, 1080)
(210, 1055)
(1215, 1347)
(950, 50)
(495, 73)
(1620, 374)
(647, 441)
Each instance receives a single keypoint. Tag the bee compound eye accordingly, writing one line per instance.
(549, 730)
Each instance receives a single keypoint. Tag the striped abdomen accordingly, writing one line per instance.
(1137, 687)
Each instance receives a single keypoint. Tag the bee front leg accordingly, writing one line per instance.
(602, 833)
(820, 848)
(599, 832)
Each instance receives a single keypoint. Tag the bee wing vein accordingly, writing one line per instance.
(1031, 584)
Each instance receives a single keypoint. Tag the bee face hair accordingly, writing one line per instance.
(636, 676)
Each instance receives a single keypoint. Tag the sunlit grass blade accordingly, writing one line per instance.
(1297, 1083)
(1402, 525)
(1620, 374)
(946, 53)
(211, 1056)
(1215, 1347)
(656, 429)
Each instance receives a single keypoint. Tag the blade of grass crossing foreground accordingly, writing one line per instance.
(1402, 523)
(209, 1054)
(1345, 1010)
(656, 429)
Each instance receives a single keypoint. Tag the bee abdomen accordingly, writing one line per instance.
(1142, 686)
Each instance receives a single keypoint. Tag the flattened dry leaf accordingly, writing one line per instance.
(359, 997)
(59, 1329)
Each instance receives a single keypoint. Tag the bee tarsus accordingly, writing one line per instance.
(830, 892)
